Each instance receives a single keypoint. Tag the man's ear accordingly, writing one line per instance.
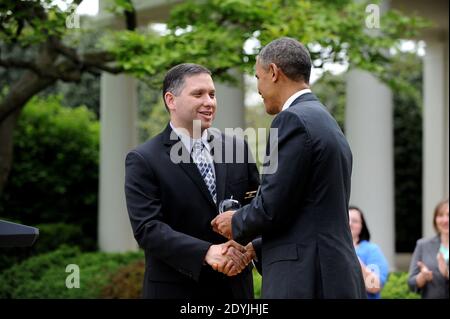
(274, 72)
(170, 100)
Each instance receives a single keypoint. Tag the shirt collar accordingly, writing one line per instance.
(188, 142)
(293, 97)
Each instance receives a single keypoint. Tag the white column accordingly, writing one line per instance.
(435, 130)
(230, 106)
(446, 124)
(118, 135)
(369, 129)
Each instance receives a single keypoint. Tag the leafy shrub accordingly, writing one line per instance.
(32, 270)
(44, 276)
(51, 236)
(396, 287)
(126, 283)
(54, 176)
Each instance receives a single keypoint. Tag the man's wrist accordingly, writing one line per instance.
(206, 255)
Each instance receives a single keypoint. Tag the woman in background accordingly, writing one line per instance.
(428, 271)
(374, 265)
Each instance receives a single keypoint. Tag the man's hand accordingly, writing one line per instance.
(228, 258)
(249, 254)
(222, 224)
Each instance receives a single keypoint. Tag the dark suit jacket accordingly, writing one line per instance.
(302, 210)
(170, 210)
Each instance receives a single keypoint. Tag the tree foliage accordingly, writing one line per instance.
(55, 173)
(213, 33)
(210, 32)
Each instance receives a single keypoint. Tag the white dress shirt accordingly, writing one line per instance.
(293, 97)
(188, 142)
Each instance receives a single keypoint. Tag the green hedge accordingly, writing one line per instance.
(126, 282)
(102, 275)
(106, 275)
(396, 287)
(54, 176)
(51, 236)
(44, 276)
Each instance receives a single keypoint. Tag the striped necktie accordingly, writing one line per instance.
(205, 167)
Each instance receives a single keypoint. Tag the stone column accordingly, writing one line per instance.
(369, 129)
(118, 135)
(435, 130)
(230, 106)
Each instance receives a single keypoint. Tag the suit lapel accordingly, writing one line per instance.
(187, 164)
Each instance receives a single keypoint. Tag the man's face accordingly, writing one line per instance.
(266, 88)
(196, 101)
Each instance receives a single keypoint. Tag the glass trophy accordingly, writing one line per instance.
(229, 204)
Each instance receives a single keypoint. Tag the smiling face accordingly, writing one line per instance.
(267, 88)
(196, 101)
(441, 220)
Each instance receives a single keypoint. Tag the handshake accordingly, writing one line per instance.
(230, 258)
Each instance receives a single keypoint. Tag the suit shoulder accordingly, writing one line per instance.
(316, 117)
(288, 115)
(309, 107)
(289, 120)
(431, 241)
(150, 146)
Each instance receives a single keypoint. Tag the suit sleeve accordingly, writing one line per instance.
(253, 184)
(284, 177)
(257, 247)
(253, 173)
(181, 251)
(414, 269)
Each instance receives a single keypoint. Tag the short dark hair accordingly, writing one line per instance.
(365, 234)
(290, 56)
(437, 209)
(174, 79)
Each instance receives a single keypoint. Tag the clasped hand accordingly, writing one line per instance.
(222, 224)
(230, 258)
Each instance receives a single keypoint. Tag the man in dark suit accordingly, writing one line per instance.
(301, 209)
(173, 185)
